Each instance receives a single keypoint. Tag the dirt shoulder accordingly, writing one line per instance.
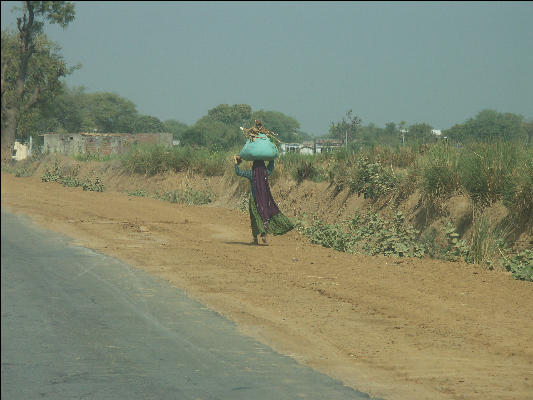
(396, 329)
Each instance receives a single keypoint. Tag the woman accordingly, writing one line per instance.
(265, 215)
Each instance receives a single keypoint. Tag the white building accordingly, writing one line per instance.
(290, 148)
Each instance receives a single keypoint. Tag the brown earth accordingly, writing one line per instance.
(394, 328)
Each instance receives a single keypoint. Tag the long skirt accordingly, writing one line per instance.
(279, 224)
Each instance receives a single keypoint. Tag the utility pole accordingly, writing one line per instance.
(403, 131)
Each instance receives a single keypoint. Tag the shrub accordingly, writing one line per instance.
(154, 159)
(521, 265)
(301, 167)
(368, 234)
(437, 173)
(484, 169)
(57, 174)
(518, 190)
(93, 157)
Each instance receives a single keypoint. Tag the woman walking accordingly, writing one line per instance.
(265, 216)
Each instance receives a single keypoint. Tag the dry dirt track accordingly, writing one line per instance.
(397, 329)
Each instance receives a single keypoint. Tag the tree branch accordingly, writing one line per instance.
(3, 83)
(33, 99)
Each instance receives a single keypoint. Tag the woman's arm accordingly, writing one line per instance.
(240, 172)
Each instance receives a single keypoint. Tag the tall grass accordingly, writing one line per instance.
(155, 159)
(437, 172)
(303, 166)
(484, 169)
(486, 172)
(518, 189)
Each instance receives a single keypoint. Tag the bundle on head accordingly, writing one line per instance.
(253, 132)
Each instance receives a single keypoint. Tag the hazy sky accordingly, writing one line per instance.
(434, 62)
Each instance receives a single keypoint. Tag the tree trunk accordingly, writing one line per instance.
(9, 127)
(8, 134)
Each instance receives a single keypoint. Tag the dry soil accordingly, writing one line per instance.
(400, 329)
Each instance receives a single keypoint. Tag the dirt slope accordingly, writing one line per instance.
(397, 329)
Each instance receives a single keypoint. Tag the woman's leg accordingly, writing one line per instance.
(253, 219)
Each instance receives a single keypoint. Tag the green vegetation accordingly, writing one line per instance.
(521, 265)
(485, 172)
(368, 234)
(32, 67)
(93, 157)
(58, 174)
(155, 159)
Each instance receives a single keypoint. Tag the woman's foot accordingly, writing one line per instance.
(255, 240)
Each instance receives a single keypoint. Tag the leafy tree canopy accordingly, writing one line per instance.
(175, 127)
(219, 129)
(31, 67)
(34, 104)
(346, 128)
(489, 125)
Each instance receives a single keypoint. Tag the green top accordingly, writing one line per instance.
(248, 173)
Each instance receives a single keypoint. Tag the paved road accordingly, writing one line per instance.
(79, 325)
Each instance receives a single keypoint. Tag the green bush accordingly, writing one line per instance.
(58, 174)
(521, 265)
(437, 168)
(93, 157)
(362, 176)
(485, 168)
(154, 159)
(301, 166)
(518, 190)
(368, 234)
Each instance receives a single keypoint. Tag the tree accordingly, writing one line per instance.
(214, 135)
(528, 132)
(420, 133)
(347, 128)
(31, 66)
(370, 134)
(110, 112)
(147, 123)
(489, 125)
(236, 115)
(175, 127)
(219, 129)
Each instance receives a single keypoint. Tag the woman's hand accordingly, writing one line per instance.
(237, 159)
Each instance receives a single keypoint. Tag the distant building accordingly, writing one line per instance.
(325, 145)
(436, 132)
(311, 147)
(21, 151)
(290, 148)
(307, 147)
(102, 143)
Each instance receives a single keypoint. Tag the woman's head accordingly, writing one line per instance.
(258, 163)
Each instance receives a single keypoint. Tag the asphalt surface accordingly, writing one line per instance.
(80, 325)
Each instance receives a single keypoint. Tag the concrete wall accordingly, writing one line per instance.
(102, 143)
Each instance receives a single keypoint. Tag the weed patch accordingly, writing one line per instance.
(57, 174)
(521, 265)
(368, 234)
